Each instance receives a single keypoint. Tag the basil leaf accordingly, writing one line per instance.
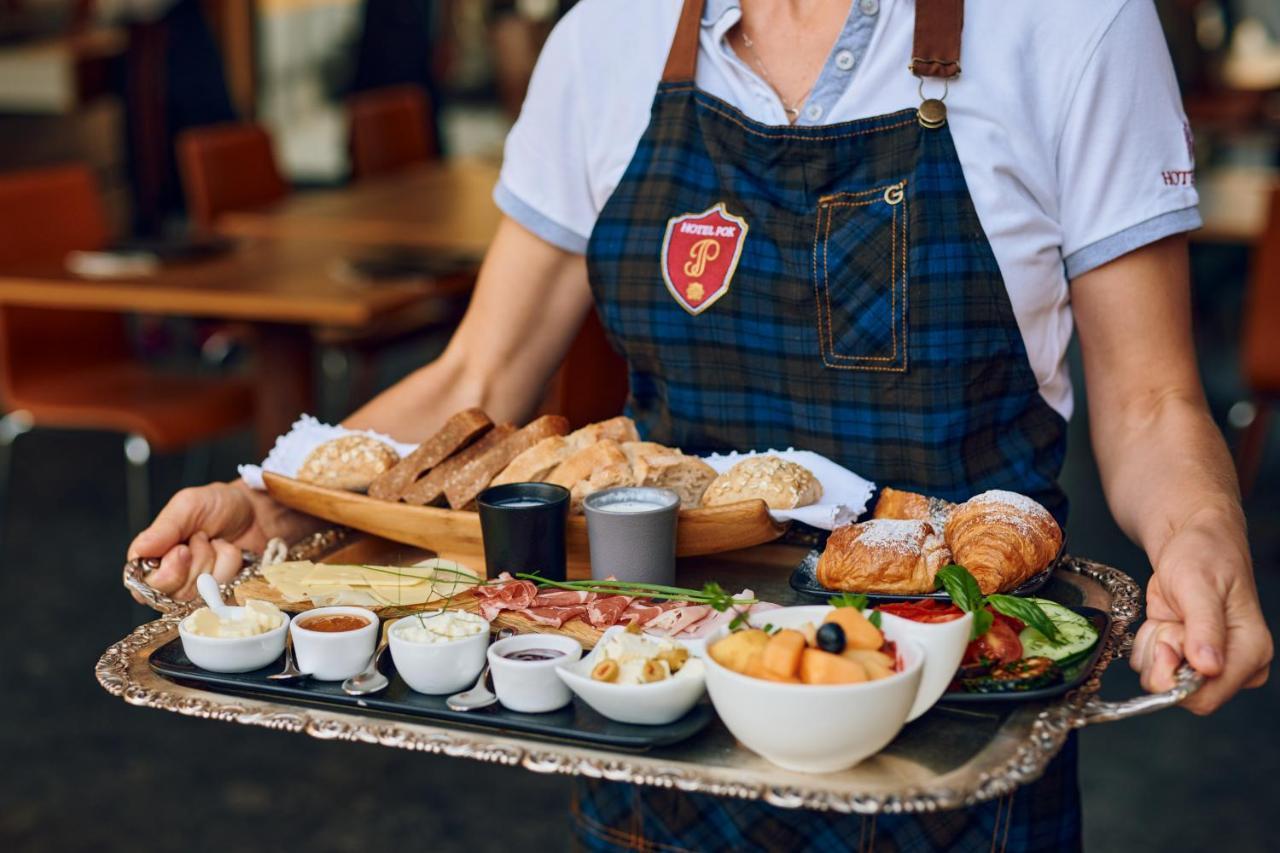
(1028, 612)
(961, 586)
(874, 618)
(982, 620)
(857, 601)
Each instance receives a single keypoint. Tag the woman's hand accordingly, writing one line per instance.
(1202, 607)
(204, 529)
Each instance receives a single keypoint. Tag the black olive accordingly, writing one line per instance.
(831, 638)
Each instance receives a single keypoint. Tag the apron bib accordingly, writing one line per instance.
(830, 289)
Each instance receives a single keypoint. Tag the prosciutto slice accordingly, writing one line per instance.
(554, 607)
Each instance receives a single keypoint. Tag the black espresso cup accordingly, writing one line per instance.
(522, 525)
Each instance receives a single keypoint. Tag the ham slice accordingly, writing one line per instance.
(713, 620)
(671, 623)
(605, 611)
(554, 616)
(562, 598)
(507, 594)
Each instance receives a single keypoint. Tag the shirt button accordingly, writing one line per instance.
(869, 7)
(813, 112)
(845, 60)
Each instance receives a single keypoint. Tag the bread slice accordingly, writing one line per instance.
(667, 468)
(536, 463)
(779, 483)
(602, 465)
(463, 485)
(457, 432)
(430, 489)
(617, 429)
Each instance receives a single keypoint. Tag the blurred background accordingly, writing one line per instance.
(215, 215)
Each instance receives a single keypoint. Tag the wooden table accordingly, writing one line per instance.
(444, 206)
(282, 288)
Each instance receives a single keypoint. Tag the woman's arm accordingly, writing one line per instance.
(529, 301)
(1167, 475)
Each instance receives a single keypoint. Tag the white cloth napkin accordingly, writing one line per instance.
(292, 448)
(844, 493)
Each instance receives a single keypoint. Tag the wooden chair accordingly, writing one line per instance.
(76, 369)
(227, 167)
(1260, 344)
(391, 128)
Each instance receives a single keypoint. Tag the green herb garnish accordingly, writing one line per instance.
(857, 600)
(964, 592)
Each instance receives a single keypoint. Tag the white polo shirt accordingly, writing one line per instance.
(1067, 120)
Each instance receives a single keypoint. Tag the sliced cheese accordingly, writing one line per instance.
(327, 584)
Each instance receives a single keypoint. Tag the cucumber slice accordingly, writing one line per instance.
(1076, 632)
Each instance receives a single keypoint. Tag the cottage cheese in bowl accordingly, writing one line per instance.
(439, 652)
(443, 627)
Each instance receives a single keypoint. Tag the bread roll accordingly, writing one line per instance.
(602, 465)
(617, 429)
(899, 556)
(1002, 538)
(667, 468)
(779, 483)
(350, 463)
(894, 503)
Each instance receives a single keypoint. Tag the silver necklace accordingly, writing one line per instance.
(792, 110)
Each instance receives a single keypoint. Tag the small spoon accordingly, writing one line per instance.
(479, 696)
(370, 680)
(212, 595)
(290, 671)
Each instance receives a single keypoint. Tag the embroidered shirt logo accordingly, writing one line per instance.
(700, 253)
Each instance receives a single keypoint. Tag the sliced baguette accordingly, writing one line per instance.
(457, 432)
(536, 463)
(617, 429)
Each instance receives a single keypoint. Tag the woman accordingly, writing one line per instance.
(800, 244)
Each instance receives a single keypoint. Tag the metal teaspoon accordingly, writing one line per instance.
(479, 696)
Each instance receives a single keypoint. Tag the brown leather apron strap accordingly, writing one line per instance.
(682, 61)
(936, 50)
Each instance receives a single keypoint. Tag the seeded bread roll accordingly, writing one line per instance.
(772, 479)
(667, 468)
(350, 463)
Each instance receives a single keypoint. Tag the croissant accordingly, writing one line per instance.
(1002, 538)
(894, 503)
(883, 555)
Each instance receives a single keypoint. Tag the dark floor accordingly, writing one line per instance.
(84, 771)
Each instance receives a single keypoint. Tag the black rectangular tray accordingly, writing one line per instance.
(1072, 677)
(575, 723)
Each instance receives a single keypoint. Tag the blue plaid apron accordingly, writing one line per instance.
(828, 288)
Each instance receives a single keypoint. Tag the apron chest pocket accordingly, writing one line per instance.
(860, 279)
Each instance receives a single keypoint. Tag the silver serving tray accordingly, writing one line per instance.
(949, 758)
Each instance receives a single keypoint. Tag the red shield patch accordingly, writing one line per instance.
(700, 253)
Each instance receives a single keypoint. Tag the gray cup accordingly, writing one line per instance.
(632, 534)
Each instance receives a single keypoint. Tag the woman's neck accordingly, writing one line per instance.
(786, 43)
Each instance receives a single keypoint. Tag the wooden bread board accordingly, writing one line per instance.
(455, 534)
(583, 632)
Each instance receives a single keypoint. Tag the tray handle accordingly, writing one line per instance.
(1097, 710)
(136, 571)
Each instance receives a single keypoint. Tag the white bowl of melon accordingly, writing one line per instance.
(819, 689)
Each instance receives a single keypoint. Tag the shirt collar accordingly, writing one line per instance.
(720, 16)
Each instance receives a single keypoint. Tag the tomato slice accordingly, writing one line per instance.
(924, 610)
(999, 645)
